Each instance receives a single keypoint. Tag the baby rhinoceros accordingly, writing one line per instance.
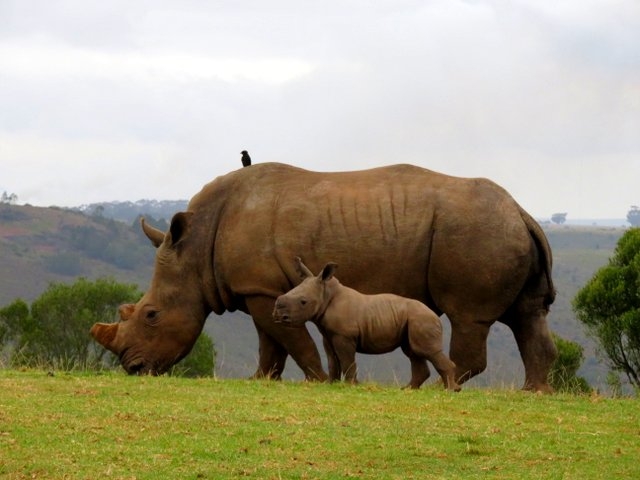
(352, 322)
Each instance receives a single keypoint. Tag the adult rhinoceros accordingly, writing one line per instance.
(462, 246)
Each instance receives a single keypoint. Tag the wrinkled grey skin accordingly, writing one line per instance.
(461, 246)
(351, 322)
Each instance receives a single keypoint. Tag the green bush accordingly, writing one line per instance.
(562, 376)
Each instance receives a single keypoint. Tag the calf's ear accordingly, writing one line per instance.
(328, 271)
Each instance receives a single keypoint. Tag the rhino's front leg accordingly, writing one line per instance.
(271, 357)
(468, 348)
(278, 340)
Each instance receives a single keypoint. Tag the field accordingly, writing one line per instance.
(112, 426)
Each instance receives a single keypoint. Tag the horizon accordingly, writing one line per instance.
(544, 220)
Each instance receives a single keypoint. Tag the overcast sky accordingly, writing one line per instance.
(124, 100)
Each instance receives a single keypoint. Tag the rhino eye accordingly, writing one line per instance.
(303, 301)
(151, 316)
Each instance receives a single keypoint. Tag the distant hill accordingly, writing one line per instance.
(42, 245)
(129, 211)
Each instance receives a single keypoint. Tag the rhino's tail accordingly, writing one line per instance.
(544, 250)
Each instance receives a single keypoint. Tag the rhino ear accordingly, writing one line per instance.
(179, 226)
(156, 236)
(328, 271)
(302, 269)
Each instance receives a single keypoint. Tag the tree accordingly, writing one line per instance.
(11, 319)
(563, 375)
(9, 199)
(54, 331)
(609, 306)
(633, 216)
(99, 211)
(559, 218)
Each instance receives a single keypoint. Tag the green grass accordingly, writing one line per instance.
(113, 426)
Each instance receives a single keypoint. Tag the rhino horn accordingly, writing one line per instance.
(104, 334)
(156, 236)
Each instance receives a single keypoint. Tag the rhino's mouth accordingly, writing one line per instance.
(135, 368)
(132, 364)
(136, 364)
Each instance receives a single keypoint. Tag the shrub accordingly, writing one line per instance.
(562, 376)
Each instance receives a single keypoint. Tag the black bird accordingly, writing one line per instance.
(246, 159)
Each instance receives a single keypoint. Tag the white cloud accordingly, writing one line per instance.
(66, 172)
(536, 95)
(48, 61)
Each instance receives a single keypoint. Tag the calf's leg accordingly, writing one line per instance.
(332, 359)
(446, 368)
(424, 333)
(345, 350)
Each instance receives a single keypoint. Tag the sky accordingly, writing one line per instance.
(121, 100)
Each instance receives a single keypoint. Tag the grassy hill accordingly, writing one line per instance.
(42, 245)
(113, 426)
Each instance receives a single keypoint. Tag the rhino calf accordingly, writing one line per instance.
(352, 322)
